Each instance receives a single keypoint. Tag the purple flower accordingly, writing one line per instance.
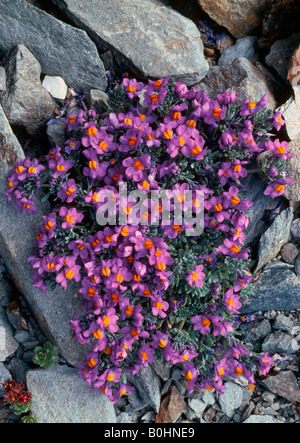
(278, 121)
(235, 202)
(196, 276)
(94, 170)
(132, 87)
(68, 274)
(231, 301)
(233, 250)
(277, 188)
(135, 167)
(265, 363)
(280, 149)
(159, 306)
(250, 107)
(68, 191)
(25, 206)
(202, 323)
(74, 121)
(70, 217)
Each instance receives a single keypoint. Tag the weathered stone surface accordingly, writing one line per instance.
(56, 86)
(244, 47)
(295, 229)
(26, 103)
(284, 384)
(291, 114)
(2, 79)
(54, 309)
(260, 419)
(61, 396)
(242, 76)
(8, 344)
(256, 187)
(147, 384)
(294, 73)
(280, 343)
(153, 40)
(254, 331)
(171, 408)
(289, 253)
(277, 289)
(280, 56)
(240, 17)
(231, 399)
(274, 238)
(61, 49)
(4, 376)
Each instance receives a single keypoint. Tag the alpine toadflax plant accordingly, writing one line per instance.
(152, 290)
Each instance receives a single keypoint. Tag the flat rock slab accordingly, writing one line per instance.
(54, 309)
(284, 384)
(240, 17)
(61, 49)
(275, 238)
(152, 39)
(275, 289)
(25, 102)
(61, 396)
(8, 344)
(243, 77)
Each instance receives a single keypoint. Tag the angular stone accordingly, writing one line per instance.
(254, 331)
(291, 114)
(284, 384)
(151, 39)
(198, 406)
(56, 87)
(280, 56)
(4, 376)
(61, 49)
(171, 408)
(231, 399)
(8, 344)
(2, 79)
(244, 47)
(241, 76)
(275, 289)
(294, 73)
(283, 323)
(256, 187)
(240, 17)
(259, 419)
(280, 343)
(54, 309)
(147, 384)
(61, 396)
(274, 238)
(26, 103)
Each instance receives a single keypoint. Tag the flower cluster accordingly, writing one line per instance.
(16, 394)
(151, 289)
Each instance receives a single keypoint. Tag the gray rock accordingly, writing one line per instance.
(124, 418)
(261, 419)
(254, 331)
(284, 384)
(231, 399)
(154, 42)
(283, 323)
(8, 344)
(4, 376)
(197, 405)
(61, 396)
(54, 310)
(61, 49)
(280, 343)
(57, 133)
(295, 229)
(291, 114)
(147, 384)
(5, 293)
(274, 238)
(56, 86)
(26, 103)
(163, 369)
(18, 369)
(293, 170)
(289, 253)
(208, 398)
(242, 76)
(244, 47)
(256, 187)
(280, 56)
(2, 79)
(277, 289)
